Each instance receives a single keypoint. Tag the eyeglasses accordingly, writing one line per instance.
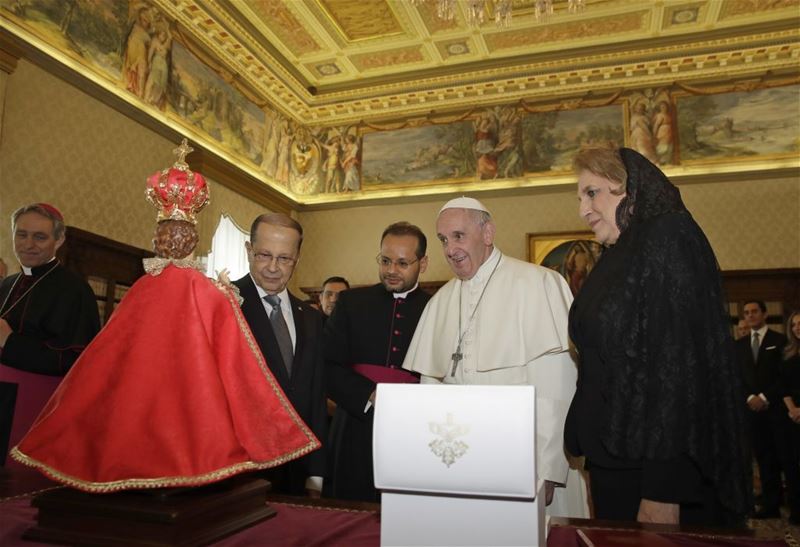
(267, 257)
(386, 262)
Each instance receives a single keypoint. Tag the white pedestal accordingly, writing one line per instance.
(456, 465)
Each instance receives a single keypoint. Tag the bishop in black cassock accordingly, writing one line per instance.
(52, 314)
(365, 341)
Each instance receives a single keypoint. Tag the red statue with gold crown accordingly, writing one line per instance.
(174, 390)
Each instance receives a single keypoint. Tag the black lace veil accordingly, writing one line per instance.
(674, 383)
(649, 192)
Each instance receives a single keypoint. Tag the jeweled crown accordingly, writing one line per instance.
(177, 192)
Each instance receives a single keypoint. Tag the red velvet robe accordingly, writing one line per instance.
(173, 392)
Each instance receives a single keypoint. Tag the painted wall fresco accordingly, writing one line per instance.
(139, 51)
(764, 122)
(311, 160)
(498, 143)
(134, 46)
(429, 153)
(550, 139)
(200, 97)
(92, 31)
(651, 125)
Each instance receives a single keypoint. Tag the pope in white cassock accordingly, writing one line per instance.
(502, 321)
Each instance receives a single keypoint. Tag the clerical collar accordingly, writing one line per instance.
(486, 269)
(405, 294)
(40, 269)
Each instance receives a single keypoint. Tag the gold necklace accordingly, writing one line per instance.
(23, 295)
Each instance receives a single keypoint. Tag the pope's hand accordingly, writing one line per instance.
(549, 490)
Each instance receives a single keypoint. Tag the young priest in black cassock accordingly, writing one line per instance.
(47, 316)
(366, 339)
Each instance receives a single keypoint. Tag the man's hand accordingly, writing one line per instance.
(794, 415)
(757, 404)
(5, 331)
(549, 490)
(657, 512)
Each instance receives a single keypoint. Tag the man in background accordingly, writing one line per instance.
(289, 334)
(47, 316)
(502, 321)
(741, 330)
(331, 288)
(365, 342)
(760, 354)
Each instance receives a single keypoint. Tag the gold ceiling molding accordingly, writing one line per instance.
(765, 82)
(286, 27)
(746, 8)
(526, 66)
(400, 80)
(232, 44)
(727, 65)
(391, 66)
(363, 19)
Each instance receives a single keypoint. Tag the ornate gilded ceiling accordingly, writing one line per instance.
(341, 61)
(318, 102)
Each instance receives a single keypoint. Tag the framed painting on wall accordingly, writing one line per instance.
(572, 254)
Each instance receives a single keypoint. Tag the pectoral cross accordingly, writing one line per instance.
(457, 357)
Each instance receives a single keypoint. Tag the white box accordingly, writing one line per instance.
(456, 465)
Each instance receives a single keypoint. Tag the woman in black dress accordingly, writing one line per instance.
(658, 410)
(790, 371)
(790, 379)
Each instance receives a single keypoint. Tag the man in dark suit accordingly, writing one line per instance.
(289, 333)
(760, 354)
(331, 288)
(366, 339)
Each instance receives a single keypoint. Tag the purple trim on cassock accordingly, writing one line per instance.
(33, 392)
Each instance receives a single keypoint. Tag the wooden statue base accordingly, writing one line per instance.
(175, 516)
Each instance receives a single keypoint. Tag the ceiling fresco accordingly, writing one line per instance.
(310, 98)
(353, 53)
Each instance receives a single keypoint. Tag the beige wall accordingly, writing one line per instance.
(751, 225)
(61, 146)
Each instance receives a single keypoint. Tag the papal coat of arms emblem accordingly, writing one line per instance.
(446, 447)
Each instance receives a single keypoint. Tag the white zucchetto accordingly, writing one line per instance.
(465, 203)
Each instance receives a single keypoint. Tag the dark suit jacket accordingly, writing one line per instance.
(306, 388)
(763, 376)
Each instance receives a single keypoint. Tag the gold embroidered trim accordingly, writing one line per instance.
(156, 265)
(213, 476)
(159, 482)
(227, 288)
(248, 335)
